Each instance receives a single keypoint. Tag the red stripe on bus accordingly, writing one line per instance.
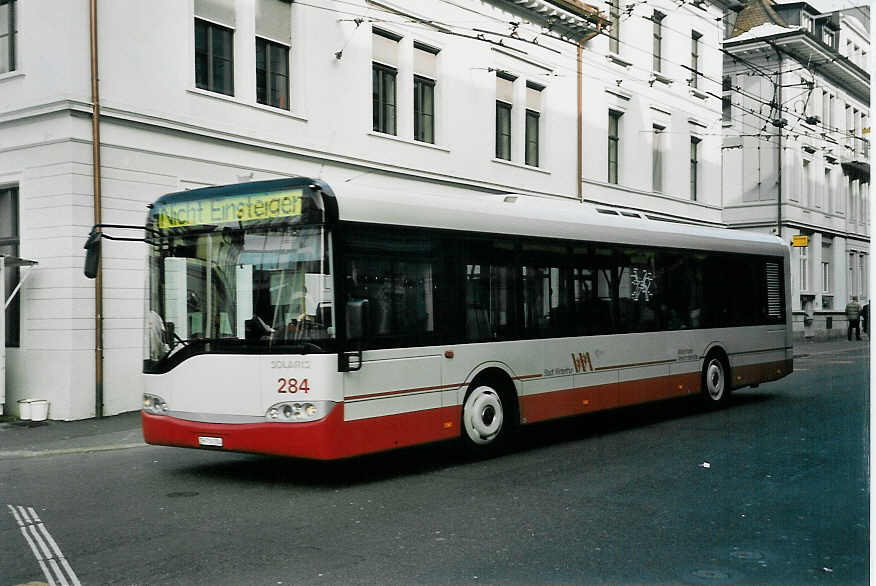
(403, 391)
(563, 403)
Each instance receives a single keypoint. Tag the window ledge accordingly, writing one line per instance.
(618, 60)
(699, 93)
(11, 75)
(410, 141)
(239, 102)
(657, 76)
(521, 166)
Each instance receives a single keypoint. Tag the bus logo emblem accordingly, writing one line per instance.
(642, 285)
(582, 362)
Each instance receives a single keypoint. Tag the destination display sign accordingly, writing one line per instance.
(240, 208)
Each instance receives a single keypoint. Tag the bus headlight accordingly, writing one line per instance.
(154, 404)
(299, 411)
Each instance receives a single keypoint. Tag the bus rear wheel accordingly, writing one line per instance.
(716, 381)
(484, 421)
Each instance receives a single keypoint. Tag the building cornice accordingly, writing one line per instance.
(806, 50)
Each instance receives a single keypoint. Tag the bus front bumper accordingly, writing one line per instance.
(316, 440)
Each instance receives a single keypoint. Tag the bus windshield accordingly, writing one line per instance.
(256, 289)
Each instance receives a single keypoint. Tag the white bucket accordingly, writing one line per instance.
(24, 409)
(39, 409)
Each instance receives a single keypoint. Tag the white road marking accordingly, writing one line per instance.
(44, 547)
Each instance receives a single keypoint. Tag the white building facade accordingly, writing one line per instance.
(464, 98)
(796, 149)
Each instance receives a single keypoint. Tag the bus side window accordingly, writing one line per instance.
(489, 290)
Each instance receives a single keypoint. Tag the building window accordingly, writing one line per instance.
(614, 24)
(9, 240)
(503, 130)
(862, 272)
(827, 37)
(272, 74)
(804, 268)
(806, 22)
(613, 145)
(806, 183)
(695, 58)
(657, 159)
(694, 167)
(726, 99)
(383, 81)
(424, 109)
(826, 276)
(7, 35)
(504, 99)
(532, 137)
(828, 191)
(425, 74)
(214, 57)
(533, 121)
(657, 19)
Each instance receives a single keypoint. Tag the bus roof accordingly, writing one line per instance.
(511, 214)
(517, 214)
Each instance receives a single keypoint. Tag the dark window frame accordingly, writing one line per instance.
(264, 95)
(8, 36)
(211, 84)
(614, 146)
(382, 121)
(695, 38)
(694, 167)
(657, 19)
(532, 141)
(12, 243)
(503, 138)
(424, 121)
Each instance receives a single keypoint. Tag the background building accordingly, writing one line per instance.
(796, 147)
(617, 103)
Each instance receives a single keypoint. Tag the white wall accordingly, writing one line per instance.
(159, 134)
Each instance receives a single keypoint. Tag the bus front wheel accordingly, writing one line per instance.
(483, 420)
(716, 381)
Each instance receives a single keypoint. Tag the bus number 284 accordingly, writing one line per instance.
(293, 385)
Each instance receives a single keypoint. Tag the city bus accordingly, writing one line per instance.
(284, 318)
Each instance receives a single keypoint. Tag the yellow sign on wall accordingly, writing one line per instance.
(800, 241)
(241, 208)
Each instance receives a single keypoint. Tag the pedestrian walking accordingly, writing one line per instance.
(853, 314)
(865, 319)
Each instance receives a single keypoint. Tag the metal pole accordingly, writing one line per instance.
(98, 282)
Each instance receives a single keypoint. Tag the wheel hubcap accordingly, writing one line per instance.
(715, 379)
(482, 415)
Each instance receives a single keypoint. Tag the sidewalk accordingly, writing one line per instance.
(22, 439)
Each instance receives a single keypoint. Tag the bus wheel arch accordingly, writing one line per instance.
(490, 412)
(716, 381)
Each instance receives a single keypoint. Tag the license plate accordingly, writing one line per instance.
(213, 442)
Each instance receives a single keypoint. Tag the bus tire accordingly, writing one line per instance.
(716, 380)
(486, 420)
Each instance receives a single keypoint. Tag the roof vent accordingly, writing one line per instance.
(609, 212)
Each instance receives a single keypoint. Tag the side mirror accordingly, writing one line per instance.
(92, 256)
(357, 328)
(357, 314)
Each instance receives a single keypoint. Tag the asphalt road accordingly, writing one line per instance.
(773, 490)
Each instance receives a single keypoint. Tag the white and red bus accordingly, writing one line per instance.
(283, 318)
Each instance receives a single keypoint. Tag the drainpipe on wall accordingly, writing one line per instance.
(580, 122)
(98, 282)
